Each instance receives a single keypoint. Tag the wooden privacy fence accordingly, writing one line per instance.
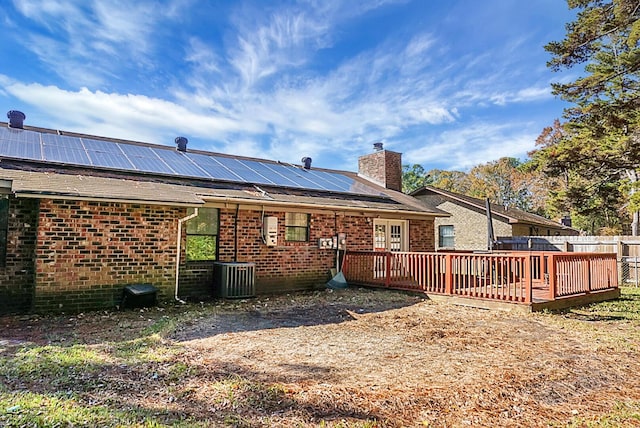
(516, 277)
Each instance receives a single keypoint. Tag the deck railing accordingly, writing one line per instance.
(578, 273)
(508, 276)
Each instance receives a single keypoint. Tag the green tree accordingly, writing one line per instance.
(597, 154)
(413, 177)
(503, 182)
(453, 181)
(552, 177)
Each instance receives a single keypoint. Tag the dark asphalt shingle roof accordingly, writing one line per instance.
(40, 178)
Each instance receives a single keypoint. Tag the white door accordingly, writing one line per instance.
(390, 235)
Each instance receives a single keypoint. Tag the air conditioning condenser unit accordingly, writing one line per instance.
(234, 280)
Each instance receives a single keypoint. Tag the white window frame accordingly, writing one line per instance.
(387, 223)
(452, 236)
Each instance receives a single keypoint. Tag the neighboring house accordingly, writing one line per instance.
(466, 228)
(81, 217)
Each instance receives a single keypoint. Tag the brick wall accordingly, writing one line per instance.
(88, 251)
(469, 225)
(383, 167)
(17, 276)
(196, 279)
(288, 265)
(421, 236)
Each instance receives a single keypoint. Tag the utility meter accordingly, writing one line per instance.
(270, 231)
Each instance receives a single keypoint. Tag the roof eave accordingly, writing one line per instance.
(74, 197)
(329, 207)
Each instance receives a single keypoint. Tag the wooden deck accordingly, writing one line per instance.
(530, 281)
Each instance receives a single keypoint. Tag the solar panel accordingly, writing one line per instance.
(239, 168)
(61, 141)
(30, 145)
(343, 183)
(269, 174)
(66, 155)
(144, 159)
(213, 167)
(324, 181)
(100, 146)
(294, 175)
(57, 148)
(181, 164)
(20, 144)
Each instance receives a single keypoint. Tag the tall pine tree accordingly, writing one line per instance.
(599, 152)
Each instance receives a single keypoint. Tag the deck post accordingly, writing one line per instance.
(448, 274)
(387, 279)
(620, 250)
(345, 262)
(587, 276)
(551, 274)
(528, 283)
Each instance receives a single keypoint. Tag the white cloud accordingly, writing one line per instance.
(121, 116)
(86, 42)
(284, 40)
(463, 148)
(257, 90)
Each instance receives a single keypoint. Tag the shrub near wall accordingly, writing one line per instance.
(88, 251)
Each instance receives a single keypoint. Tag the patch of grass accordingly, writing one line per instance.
(178, 371)
(627, 307)
(25, 409)
(613, 322)
(344, 424)
(151, 348)
(164, 325)
(623, 414)
(55, 362)
(236, 392)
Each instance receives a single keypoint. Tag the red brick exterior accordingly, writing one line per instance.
(84, 253)
(88, 251)
(383, 167)
(17, 276)
(421, 236)
(289, 265)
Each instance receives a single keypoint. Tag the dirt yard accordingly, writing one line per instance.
(338, 358)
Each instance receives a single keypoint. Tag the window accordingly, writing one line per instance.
(202, 235)
(297, 227)
(390, 235)
(4, 225)
(446, 237)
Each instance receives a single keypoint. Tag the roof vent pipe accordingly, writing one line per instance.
(16, 118)
(377, 146)
(307, 162)
(182, 144)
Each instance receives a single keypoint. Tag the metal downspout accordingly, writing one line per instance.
(179, 247)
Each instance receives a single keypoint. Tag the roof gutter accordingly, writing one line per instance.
(316, 206)
(22, 194)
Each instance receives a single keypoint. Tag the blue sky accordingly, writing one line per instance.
(450, 84)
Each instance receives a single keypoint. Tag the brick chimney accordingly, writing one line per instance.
(382, 167)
